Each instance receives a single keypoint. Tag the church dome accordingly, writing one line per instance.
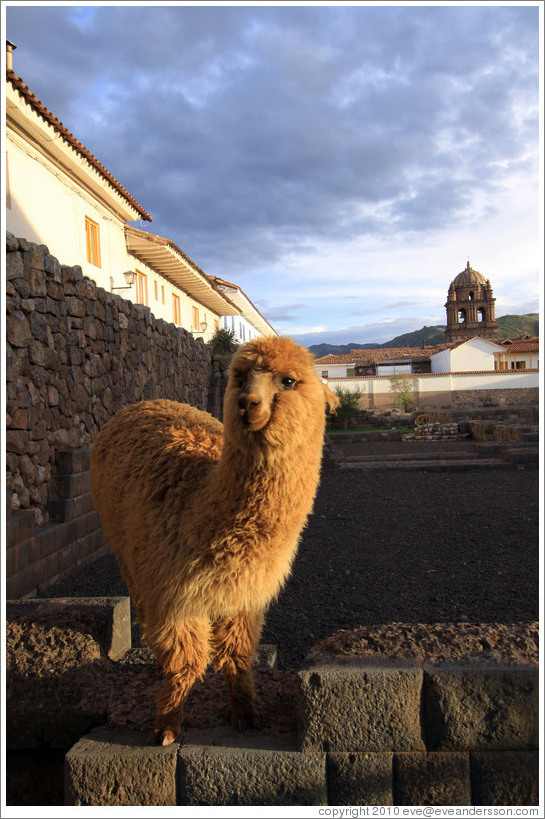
(469, 277)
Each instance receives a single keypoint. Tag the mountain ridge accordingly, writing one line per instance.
(509, 326)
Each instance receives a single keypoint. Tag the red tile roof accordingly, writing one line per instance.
(522, 347)
(335, 359)
(70, 139)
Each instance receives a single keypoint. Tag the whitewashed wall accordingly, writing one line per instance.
(475, 355)
(376, 389)
(243, 330)
(53, 213)
(333, 370)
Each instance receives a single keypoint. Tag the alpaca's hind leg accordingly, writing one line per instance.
(235, 640)
(182, 656)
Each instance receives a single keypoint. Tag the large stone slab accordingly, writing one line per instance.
(360, 704)
(224, 767)
(505, 777)
(435, 778)
(109, 767)
(359, 779)
(481, 708)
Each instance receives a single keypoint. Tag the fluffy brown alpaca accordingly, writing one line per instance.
(205, 518)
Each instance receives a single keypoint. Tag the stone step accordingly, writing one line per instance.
(415, 707)
(410, 456)
(435, 465)
(218, 767)
(371, 731)
(520, 455)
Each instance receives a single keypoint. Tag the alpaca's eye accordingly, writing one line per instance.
(288, 383)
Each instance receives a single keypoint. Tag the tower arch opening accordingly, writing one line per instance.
(470, 307)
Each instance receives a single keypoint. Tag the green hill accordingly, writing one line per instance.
(419, 338)
(508, 327)
(513, 326)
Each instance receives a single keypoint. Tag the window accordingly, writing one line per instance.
(92, 239)
(216, 325)
(324, 374)
(196, 318)
(520, 365)
(162, 294)
(176, 309)
(155, 290)
(141, 287)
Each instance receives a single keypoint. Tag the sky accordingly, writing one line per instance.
(340, 163)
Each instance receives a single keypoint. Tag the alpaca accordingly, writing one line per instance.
(205, 518)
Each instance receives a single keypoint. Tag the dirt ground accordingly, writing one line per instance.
(395, 547)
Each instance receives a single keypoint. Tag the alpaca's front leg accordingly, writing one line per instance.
(182, 653)
(235, 640)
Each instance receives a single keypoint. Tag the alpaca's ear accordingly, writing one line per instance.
(331, 399)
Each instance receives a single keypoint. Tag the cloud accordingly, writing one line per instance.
(265, 139)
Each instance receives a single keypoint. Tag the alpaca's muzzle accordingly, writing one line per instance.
(253, 412)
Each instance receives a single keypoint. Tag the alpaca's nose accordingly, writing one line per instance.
(249, 401)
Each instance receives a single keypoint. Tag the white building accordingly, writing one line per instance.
(249, 323)
(474, 355)
(334, 366)
(59, 195)
(518, 354)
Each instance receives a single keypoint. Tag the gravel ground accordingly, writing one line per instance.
(395, 547)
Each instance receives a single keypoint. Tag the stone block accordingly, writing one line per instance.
(435, 778)
(493, 708)
(69, 509)
(18, 332)
(107, 620)
(73, 461)
(360, 704)
(359, 779)
(223, 767)
(47, 540)
(109, 767)
(14, 266)
(505, 777)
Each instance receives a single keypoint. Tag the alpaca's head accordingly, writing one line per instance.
(274, 397)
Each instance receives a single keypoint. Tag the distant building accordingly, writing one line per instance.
(249, 323)
(518, 354)
(474, 355)
(470, 307)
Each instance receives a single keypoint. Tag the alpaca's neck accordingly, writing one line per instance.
(255, 472)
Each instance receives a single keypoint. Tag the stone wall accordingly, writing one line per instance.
(509, 397)
(75, 355)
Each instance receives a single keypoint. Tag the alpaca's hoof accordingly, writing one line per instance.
(167, 738)
(163, 736)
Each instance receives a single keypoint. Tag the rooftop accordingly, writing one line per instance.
(68, 138)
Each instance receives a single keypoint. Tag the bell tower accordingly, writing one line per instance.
(470, 307)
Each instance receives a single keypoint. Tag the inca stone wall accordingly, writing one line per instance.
(75, 355)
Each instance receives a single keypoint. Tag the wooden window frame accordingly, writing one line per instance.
(92, 241)
(141, 288)
(195, 314)
(176, 309)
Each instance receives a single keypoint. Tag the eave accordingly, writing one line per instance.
(166, 258)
